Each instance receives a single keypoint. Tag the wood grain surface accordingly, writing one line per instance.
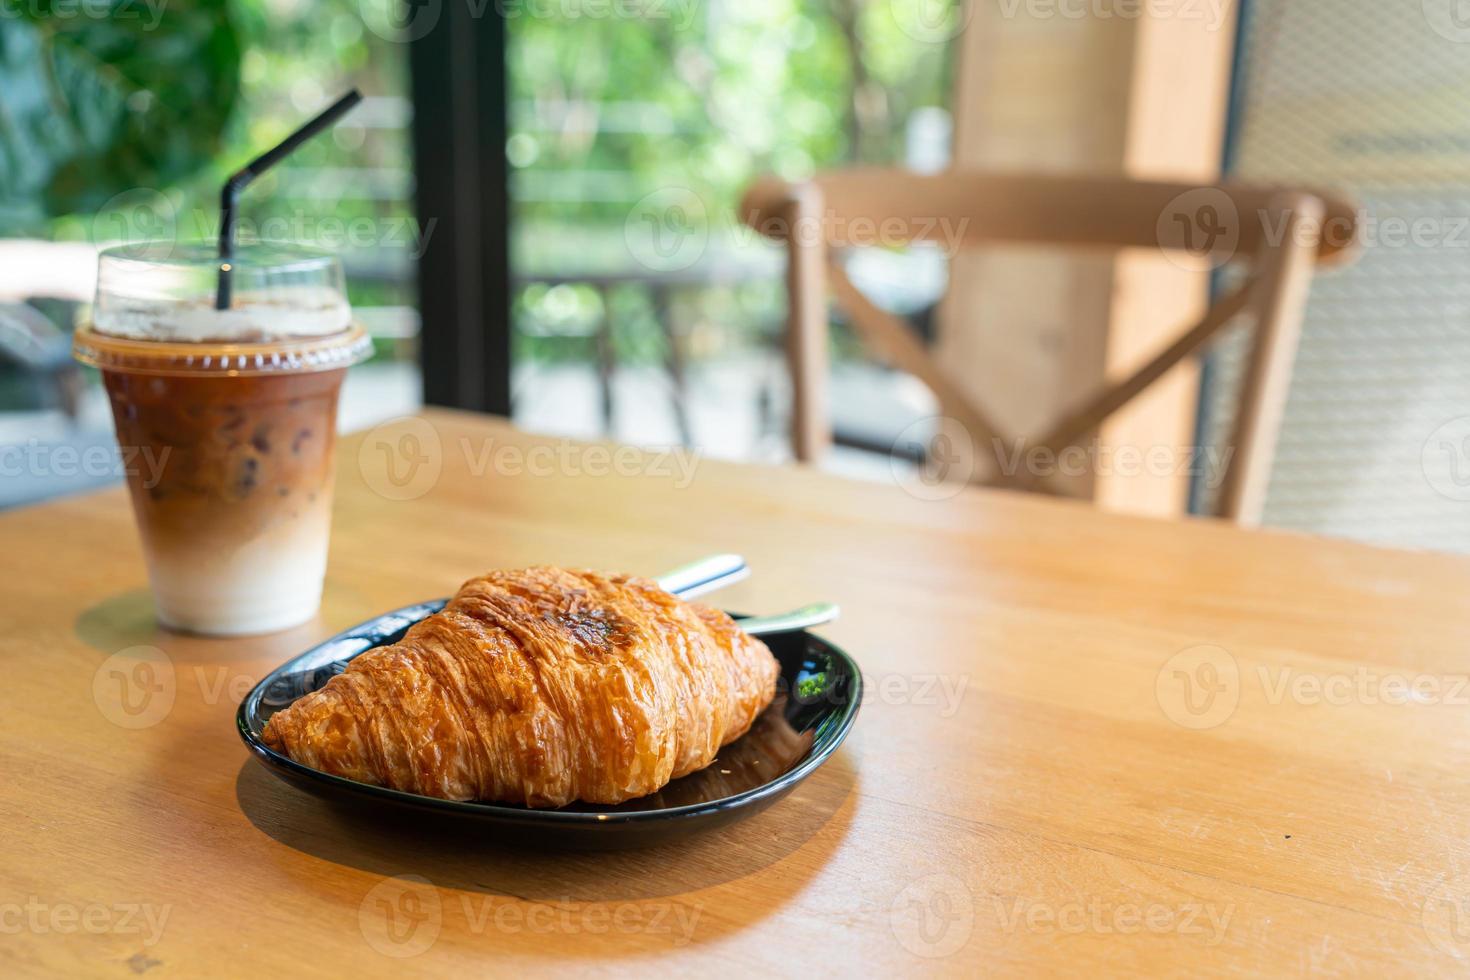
(1090, 743)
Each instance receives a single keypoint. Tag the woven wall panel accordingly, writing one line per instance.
(1373, 98)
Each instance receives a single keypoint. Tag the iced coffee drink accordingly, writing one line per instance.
(239, 407)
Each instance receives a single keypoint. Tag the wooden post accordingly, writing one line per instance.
(1028, 332)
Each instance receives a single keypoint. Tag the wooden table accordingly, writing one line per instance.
(1091, 743)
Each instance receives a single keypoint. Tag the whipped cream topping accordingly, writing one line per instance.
(254, 317)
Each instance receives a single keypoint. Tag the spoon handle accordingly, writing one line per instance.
(797, 619)
(705, 575)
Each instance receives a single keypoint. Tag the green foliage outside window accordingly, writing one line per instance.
(124, 126)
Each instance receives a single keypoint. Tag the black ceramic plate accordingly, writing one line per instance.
(817, 699)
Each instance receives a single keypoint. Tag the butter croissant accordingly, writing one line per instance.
(538, 686)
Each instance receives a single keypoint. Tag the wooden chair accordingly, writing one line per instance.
(1280, 232)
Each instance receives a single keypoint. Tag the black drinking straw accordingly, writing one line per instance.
(230, 193)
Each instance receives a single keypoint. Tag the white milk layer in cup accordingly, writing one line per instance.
(228, 419)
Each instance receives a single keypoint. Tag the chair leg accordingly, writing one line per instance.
(1280, 298)
(806, 328)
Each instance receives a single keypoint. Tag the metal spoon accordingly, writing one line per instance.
(789, 622)
(718, 571)
(705, 575)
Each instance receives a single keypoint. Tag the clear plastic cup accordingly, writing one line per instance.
(234, 412)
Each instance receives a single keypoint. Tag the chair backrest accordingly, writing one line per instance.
(1280, 232)
(987, 208)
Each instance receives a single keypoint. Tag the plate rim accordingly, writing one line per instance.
(819, 754)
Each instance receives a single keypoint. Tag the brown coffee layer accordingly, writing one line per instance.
(238, 454)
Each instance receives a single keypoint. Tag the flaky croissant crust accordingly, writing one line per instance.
(538, 686)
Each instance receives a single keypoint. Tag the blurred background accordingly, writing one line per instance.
(537, 210)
